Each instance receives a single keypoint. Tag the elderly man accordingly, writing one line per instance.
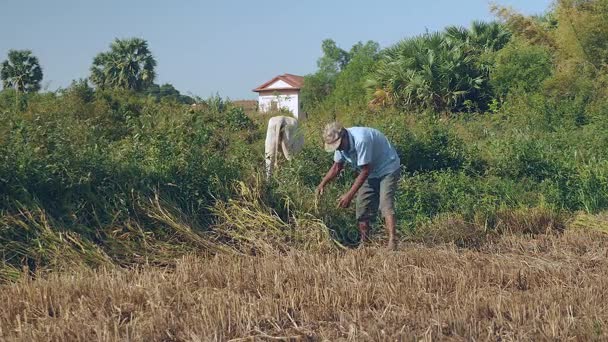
(282, 133)
(378, 165)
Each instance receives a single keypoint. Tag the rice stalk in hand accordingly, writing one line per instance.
(248, 225)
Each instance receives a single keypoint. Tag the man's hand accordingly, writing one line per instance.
(320, 190)
(344, 200)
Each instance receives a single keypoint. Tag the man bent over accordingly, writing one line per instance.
(378, 165)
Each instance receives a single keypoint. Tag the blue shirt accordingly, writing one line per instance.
(369, 146)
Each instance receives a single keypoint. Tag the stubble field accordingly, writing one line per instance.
(549, 286)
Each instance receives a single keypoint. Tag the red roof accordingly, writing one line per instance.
(294, 81)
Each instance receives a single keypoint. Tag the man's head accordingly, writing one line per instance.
(333, 135)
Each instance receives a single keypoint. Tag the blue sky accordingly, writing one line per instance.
(223, 46)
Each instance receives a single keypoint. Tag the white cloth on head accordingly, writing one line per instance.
(282, 131)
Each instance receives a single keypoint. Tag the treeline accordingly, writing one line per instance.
(128, 65)
(560, 55)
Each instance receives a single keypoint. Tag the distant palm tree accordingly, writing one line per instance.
(128, 65)
(440, 71)
(427, 72)
(482, 36)
(21, 71)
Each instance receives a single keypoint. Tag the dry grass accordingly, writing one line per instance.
(540, 287)
(453, 228)
(247, 225)
(584, 221)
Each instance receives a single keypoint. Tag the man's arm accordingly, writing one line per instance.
(345, 200)
(333, 172)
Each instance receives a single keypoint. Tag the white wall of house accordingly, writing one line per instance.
(283, 99)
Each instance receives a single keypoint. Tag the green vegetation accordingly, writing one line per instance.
(496, 121)
(128, 65)
(21, 71)
(167, 91)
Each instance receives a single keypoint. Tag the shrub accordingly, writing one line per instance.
(520, 66)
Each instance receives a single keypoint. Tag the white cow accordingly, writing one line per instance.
(282, 131)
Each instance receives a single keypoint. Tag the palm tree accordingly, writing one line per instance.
(490, 36)
(426, 72)
(439, 71)
(21, 71)
(481, 37)
(128, 65)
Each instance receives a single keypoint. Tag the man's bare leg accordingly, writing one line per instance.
(363, 231)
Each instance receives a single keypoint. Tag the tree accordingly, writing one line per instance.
(532, 29)
(426, 72)
(350, 84)
(81, 90)
(576, 35)
(318, 86)
(128, 65)
(334, 59)
(21, 71)
(442, 71)
(520, 66)
(481, 37)
(167, 91)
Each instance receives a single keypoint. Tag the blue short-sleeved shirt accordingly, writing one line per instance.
(369, 146)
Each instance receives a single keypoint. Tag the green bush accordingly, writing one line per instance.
(100, 164)
(520, 66)
(426, 195)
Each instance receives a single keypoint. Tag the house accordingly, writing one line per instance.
(281, 92)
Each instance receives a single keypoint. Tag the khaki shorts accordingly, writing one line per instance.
(377, 193)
